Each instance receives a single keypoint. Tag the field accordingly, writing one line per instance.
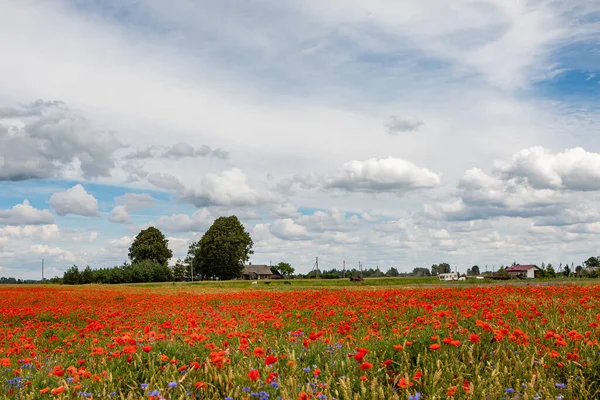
(300, 342)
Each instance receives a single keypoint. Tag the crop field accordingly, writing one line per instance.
(263, 342)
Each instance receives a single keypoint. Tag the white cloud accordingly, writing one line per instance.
(321, 221)
(135, 201)
(50, 141)
(287, 210)
(229, 188)
(398, 125)
(42, 232)
(574, 169)
(75, 201)
(200, 221)
(165, 181)
(287, 229)
(57, 252)
(25, 214)
(383, 175)
(120, 215)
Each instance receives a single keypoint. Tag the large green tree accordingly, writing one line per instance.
(285, 268)
(150, 244)
(222, 251)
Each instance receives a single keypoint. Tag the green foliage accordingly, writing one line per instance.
(330, 276)
(420, 271)
(144, 271)
(72, 276)
(222, 251)
(441, 268)
(475, 270)
(150, 244)
(393, 272)
(592, 262)
(285, 268)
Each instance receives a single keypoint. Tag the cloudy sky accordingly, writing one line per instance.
(397, 133)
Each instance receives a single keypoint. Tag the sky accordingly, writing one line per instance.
(394, 133)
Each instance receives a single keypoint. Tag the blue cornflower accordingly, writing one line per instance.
(144, 386)
(154, 393)
(228, 398)
(112, 393)
(417, 396)
(172, 384)
(245, 389)
(275, 385)
(307, 369)
(509, 390)
(561, 385)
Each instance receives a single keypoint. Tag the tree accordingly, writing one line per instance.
(475, 270)
(550, 272)
(285, 268)
(420, 271)
(592, 262)
(72, 276)
(394, 272)
(441, 268)
(180, 271)
(150, 244)
(87, 275)
(222, 251)
(567, 271)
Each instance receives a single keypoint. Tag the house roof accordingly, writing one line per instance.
(257, 269)
(516, 268)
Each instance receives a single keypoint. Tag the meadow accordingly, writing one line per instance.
(300, 341)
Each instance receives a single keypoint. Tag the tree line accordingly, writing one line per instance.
(219, 254)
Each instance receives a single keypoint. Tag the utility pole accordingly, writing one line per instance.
(192, 268)
(42, 270)
(360, 269)
(317, 266)
(344, 270)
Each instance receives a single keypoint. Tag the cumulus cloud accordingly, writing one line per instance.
(570, 216)
(200, 221)
(75, 201)
(382, 175)
(178, 150)
(229, 188)
(119, 215)
(56, 252)
(166, 181)
(286, 210)
(287, 229)
(135, 201)
(484, 196)
(321, 221)
(397, 125)
(45, 140)
(574, 169)
(42, 232)
(25, 214)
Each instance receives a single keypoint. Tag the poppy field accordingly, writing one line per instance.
(172, 342)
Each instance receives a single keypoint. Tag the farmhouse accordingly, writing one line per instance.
(255, 272)
(450, 276)
(522, 271)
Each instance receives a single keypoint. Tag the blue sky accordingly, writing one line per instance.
(400, 134)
